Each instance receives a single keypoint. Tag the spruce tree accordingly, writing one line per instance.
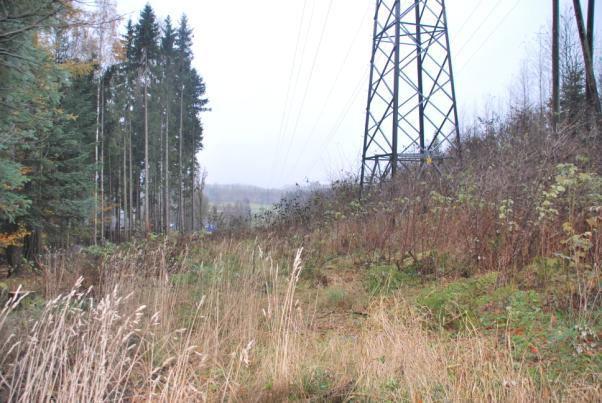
(146, 53)
(149, 129)
(45, 125)
(168, 56)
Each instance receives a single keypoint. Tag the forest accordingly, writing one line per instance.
(477, 279)
(99, 130)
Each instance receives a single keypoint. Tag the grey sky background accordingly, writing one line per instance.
(245, 52)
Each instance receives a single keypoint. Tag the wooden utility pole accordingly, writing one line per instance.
(555, 63)
(590, 78)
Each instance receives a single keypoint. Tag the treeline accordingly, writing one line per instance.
(152, 131)
(98, 131)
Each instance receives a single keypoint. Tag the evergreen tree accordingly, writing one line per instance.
(572, 74)
(134, 135)
(44, 149)
(191, 91)
(572, 93)
(183, 44)
(59, 186)
(146, 53)
(168, 55)
(19, 64)
(128, 73)
(146, 49)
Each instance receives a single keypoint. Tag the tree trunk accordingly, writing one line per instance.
(555, 63)
(110, 235)
(590, 40)
(167, 195)
(14, 257)
(124, 190)
(203, 176)
(192, 194)
(146, 170)
(181, 174)
(590, 78)
(102, 162)
(160, 216)
(192, 184)
(33, 245)
(115, 199)
(96, 161)
(131, 189)
(137, 195)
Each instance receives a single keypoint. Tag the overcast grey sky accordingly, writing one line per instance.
(245, 49)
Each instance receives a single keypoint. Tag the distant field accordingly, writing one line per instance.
(255, 207)
(258, 207)
(224, 194)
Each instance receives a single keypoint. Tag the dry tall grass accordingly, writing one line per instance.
(159, 328)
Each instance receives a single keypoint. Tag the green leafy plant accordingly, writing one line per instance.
(452, 304)
(104, 251)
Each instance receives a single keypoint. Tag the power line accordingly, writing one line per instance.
(341, 118)
(483, 21)
(309, 80)
(489, 36)
(286, 116)
(464, 24)
(332, 88)
(299, 69)
(290, 78)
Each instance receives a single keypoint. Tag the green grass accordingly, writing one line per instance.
(338, 297)
(565, 344)
(315, 385)
(455, 303)
(385, 279)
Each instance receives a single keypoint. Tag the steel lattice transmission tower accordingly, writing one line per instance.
(411, 116)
